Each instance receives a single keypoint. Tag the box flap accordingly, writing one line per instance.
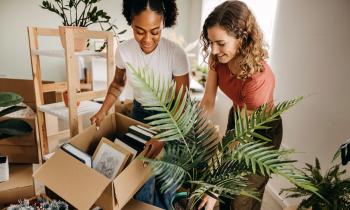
(134, 204)
(129, 181)
(73, 181)
(88, 140)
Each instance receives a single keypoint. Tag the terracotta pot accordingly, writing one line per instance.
(65, 99)
(79, 44)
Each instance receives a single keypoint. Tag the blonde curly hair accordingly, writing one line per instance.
(239, 22)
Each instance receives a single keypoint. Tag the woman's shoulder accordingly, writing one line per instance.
(171, 45)
(265, 75)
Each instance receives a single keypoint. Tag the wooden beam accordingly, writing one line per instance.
(89, 95)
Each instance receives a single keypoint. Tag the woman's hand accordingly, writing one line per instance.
(207, 202)
(153, 148)
(98, 118)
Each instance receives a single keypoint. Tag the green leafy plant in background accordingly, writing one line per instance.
(12, 127)
(331, 186)
(82, 13)
(197, 158)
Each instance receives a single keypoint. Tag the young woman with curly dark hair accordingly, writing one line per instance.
(233, 42)
(148, 50)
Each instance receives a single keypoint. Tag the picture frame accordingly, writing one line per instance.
(109, 158)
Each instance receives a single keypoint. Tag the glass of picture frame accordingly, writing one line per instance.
(109, 158)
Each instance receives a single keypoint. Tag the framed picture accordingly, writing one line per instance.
(109, 158)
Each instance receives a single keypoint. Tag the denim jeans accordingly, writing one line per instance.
(150, 191)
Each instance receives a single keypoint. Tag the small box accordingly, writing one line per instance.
(82, 186)
(19, 186)
(21, 149)
(4, 169)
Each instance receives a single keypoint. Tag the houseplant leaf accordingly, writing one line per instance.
(210, 164)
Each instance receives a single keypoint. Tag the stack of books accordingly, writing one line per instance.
(78, 154)
(135, 139)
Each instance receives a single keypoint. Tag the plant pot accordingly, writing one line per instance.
(79, 43)
(65, 99)
(182, 202)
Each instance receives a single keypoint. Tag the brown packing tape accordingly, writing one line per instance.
(72, 180)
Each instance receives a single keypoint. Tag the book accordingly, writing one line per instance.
(127, 147)
(78, 154)
(139, 132)
(147, 129)
(4, 169)
(134, 142)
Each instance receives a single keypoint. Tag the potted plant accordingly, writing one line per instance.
(331, 186)
(195, 156)
(80, 14)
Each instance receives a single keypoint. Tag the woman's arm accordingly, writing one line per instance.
(211, 86)
(183, 80)
(114, 91)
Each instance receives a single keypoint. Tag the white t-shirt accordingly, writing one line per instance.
(167, 60)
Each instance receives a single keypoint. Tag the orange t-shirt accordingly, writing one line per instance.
(253, 92)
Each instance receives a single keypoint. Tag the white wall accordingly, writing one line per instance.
(16, 15)
(310, 57)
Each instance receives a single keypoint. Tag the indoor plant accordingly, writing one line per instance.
(197, 159)
(332, 187)
(80, 14)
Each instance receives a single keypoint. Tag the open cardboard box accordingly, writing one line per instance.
(82, 186)
(19, 186)
(21, 149)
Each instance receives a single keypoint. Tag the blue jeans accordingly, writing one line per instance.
(150, 191)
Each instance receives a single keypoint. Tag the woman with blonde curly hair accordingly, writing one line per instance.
(234, 43)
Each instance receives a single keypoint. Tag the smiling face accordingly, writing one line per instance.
(223, 46)
(147, 27)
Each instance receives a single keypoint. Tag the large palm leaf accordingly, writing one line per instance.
(197, 156)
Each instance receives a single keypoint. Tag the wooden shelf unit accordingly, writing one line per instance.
(72, 83)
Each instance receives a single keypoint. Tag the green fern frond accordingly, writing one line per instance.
(247, 125)
(172, 169)
(175, 113)
(239, 186)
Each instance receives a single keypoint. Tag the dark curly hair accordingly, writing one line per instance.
(239, 22)
(166, 8)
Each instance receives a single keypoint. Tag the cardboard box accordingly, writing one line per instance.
(25, 88)
(82, 186)
(21, 149)
(19, 186)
